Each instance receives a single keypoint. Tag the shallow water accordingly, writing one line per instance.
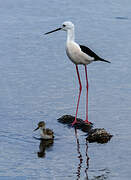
(38, 82)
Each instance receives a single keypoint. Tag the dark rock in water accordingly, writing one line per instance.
(99, 135)
(68, 119)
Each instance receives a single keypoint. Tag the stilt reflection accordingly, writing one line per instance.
(81, 158)
(87, 160)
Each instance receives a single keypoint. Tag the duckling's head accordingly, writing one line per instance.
(41, 125)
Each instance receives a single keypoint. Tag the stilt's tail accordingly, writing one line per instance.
(104, 60)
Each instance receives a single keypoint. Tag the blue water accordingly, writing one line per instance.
(38, 82)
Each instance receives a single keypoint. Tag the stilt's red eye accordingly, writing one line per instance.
(64, 25)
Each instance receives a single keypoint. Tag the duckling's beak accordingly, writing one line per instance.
(36, 129)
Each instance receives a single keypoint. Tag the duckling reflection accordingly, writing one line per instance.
(45, 133)
(81, 158)
(44, 146)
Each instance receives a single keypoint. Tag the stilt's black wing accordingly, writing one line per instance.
(89, 52)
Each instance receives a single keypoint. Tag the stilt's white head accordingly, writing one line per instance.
(67, 25)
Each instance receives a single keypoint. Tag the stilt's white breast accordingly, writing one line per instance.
(76, 55)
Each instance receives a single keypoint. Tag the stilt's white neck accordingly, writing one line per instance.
(70, 35)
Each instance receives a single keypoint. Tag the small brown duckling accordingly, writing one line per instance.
(45, 133)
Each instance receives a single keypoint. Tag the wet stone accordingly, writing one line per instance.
(99, 135)
(68, 120)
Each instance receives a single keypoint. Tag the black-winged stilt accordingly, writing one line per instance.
(78, 54)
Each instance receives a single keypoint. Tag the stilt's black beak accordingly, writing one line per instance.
(53, 31)
(36, 129)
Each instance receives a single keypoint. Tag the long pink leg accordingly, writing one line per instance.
(80, 88)
(86, 96)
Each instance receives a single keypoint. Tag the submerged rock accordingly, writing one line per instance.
(68, 119)
(99, 135)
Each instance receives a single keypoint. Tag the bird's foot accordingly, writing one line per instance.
(88, 122)
(74, 122)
